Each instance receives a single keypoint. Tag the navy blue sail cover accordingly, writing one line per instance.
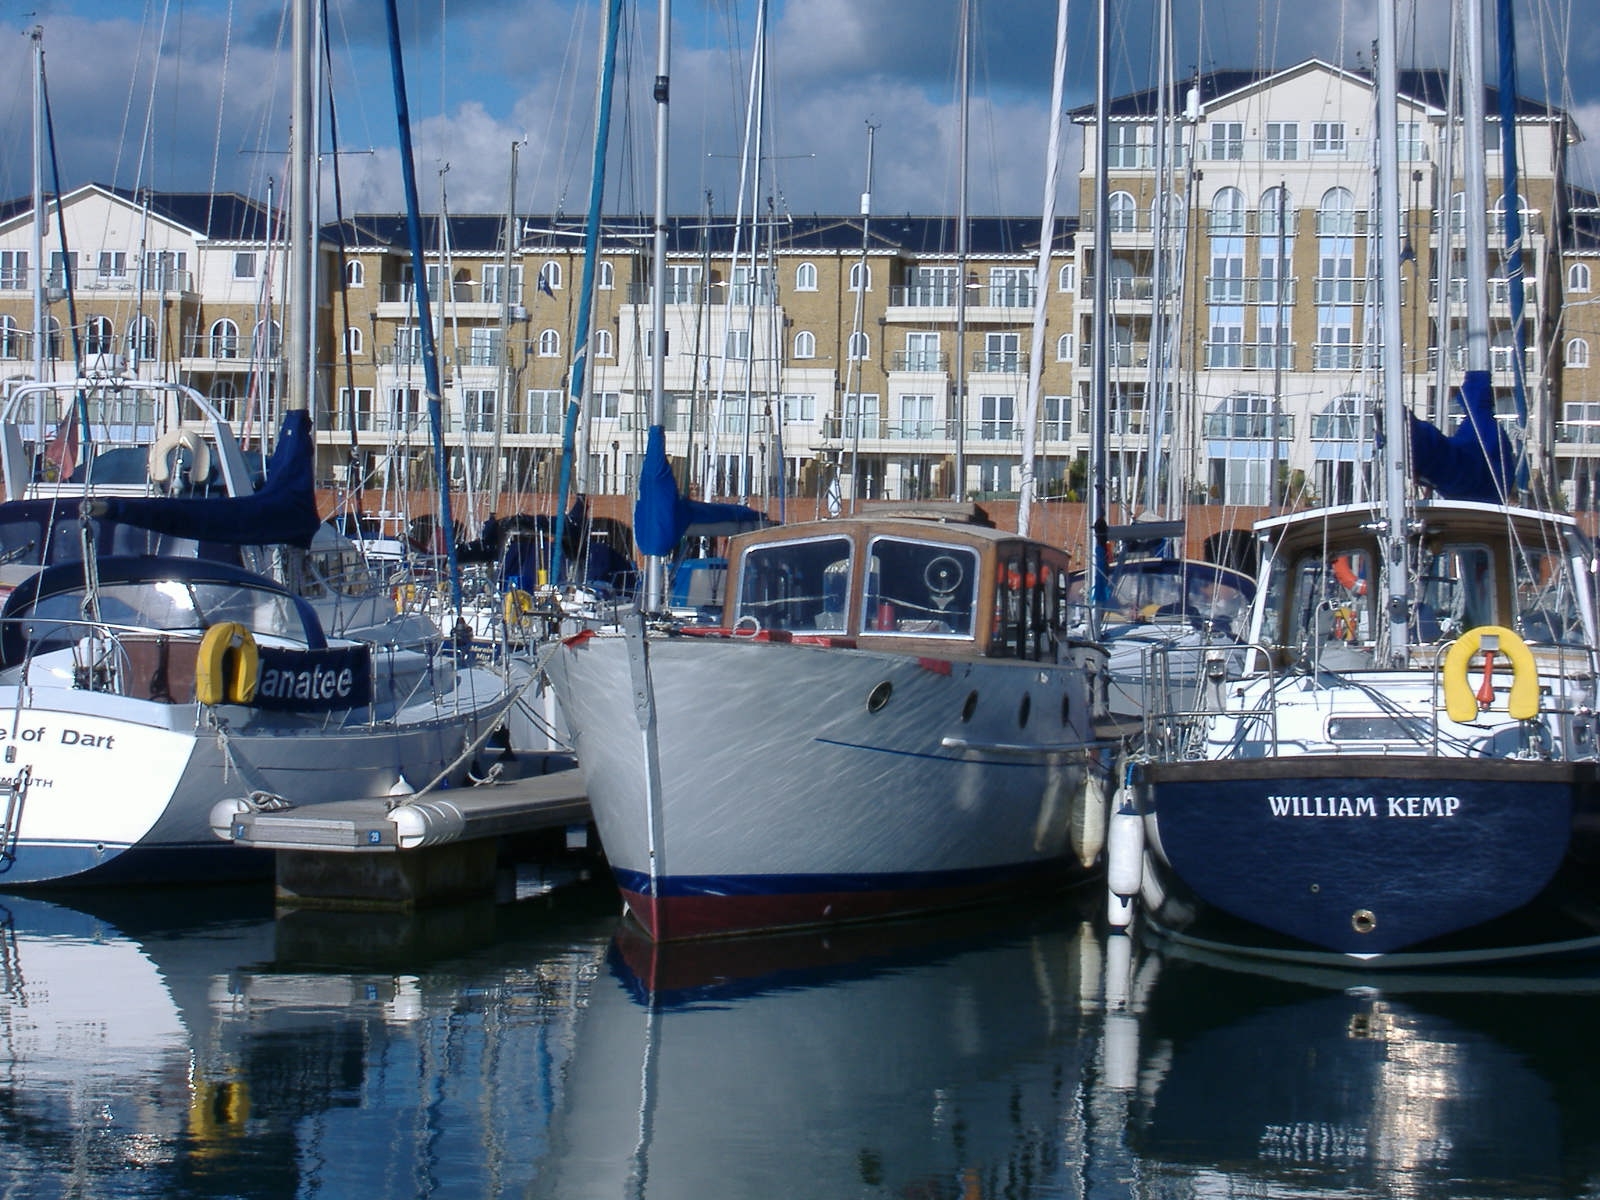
(1477, 461)
(283, 511)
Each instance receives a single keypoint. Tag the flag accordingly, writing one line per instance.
(61, 454)
(544, 286)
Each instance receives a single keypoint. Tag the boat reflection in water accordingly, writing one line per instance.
(193, 1043)
(1312, 1082)
(941, 1057)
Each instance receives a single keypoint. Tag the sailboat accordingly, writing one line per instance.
(149, 683)
(889, 717)
(1406, 771)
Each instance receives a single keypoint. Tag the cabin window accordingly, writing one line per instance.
(920, 589)
(1455, 591)
(1548, 606)
(1324, 597)
(1030, 601)
(800, 586)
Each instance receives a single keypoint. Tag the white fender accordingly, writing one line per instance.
(1125, 851)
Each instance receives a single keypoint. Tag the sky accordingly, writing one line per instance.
(182, 95)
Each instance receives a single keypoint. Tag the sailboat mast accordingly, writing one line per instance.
(302, 214)
(852, 363)
(430, 352)
(1396, 519)
(1475, 189)
(964, 87)
(1041, 291)
(37, 34)
(1098, 569)
(591, 251)
(655, 575)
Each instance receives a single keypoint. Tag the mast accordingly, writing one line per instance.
(1507, 37)
(961, 251)
(507, 375)
(300, 342)
(1047, 236)
(430, 351)
(39, 219)
(1475, 191)
(591, 250)
(655, 593)
(1098, 574)
(1156, 384)
(851, 363)
(1396, 519)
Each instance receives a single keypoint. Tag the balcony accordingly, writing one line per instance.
(1338, 291)
(1259, 291)
(1000, 362)
(1253, 426)
(928, 362)
(468, 298)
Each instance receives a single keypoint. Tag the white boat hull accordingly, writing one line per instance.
(758, 784)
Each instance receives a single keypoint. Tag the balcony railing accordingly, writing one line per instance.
(919, 360)
(923, 295)
(1264, 290)
(1255, 426)
(1578, 433)
(1339, 291)
(1000, 362)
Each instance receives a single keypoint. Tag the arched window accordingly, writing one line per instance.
(1067, 278)
(805, 344)
(1336, 215)
(142, 339)
(606, 275)
(1124, 213)
(98, 337)
(1458, 212)
(549, 344)
(52, 337)
(352, 340)
(602, 343)
(1227, 211)
(861, 278)
(860, 345)
(355, 273)
(10, 338)
(223, 340)
(267, 340)
(1272, 200)
(550, 275)
(1066, 348)
(805, 277)
(1578, 277)
(1577, 352)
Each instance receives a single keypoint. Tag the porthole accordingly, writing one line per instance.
(879, 696)
(1023, 711)
(1066, 708)
(970, 707)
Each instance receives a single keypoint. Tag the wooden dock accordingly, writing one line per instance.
(400, 852)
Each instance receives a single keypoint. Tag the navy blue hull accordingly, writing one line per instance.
(1362, 856)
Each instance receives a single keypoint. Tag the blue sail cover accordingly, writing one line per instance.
(1477, 461)
(282, 511)
(661, 516)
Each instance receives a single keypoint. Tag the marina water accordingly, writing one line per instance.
(194, 1043)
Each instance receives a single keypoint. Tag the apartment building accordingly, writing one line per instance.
(1263, 268)
(886, 357)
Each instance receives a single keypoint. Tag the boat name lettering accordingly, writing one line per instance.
(1364, 806)
(1323, 806)
(313, 683)
(1423, 806)
(75, 737)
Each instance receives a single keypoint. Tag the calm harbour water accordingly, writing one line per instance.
(186, 1043)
